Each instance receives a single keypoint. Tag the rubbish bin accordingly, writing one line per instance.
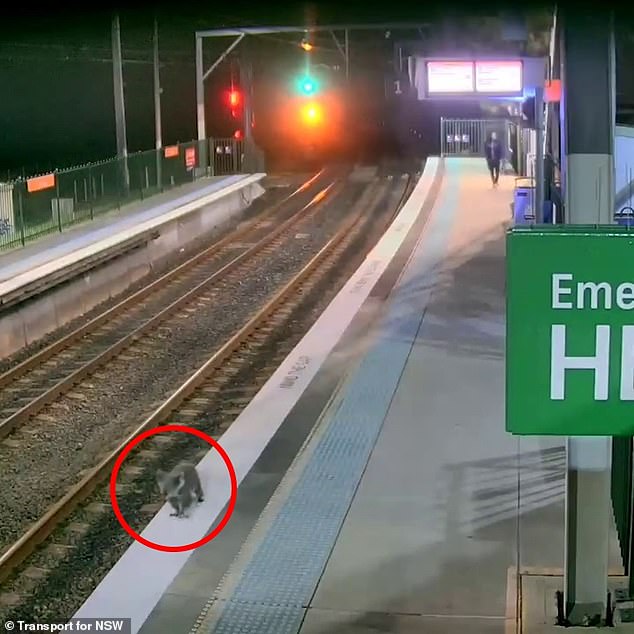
(524, 201)
(625, 217)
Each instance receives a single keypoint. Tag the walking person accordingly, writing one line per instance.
(493, 153)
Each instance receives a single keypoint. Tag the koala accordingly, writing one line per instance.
(181, 487)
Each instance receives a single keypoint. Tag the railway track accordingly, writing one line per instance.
(210, 399)
(38, 381)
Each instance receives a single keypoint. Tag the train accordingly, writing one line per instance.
(341, 122)
(299, 130)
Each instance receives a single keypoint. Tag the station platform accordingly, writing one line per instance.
(38, 259)
(381, 493)
(400, 516)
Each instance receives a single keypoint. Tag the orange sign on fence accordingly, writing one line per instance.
(40, 182)
(190, 157)
(171, 151)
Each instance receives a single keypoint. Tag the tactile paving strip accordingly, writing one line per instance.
(240, 618)
(278, 582)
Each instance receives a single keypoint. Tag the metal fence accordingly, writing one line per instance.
(35, 206)
(466, 137)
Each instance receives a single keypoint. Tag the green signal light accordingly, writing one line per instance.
(308, 86)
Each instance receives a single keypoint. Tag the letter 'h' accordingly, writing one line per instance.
(559, 363)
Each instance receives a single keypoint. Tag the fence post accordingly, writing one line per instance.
(159, 169)
(118, 182)
(21, 213)
(59, 208)
(234, 155)
(90, 189)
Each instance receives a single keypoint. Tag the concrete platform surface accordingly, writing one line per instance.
(431, 532)
(322, 622)
(450, 503)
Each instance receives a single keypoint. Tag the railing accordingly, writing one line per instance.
(467, 137)
(32, 207)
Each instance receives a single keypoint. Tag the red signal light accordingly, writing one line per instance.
(237, 135)
(234, 98)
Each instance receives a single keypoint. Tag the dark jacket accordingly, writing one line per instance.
(493, 151)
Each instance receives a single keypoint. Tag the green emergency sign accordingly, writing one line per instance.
(570, 331)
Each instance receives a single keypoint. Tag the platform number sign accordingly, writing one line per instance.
(570, 331)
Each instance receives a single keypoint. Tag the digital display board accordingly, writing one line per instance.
(500, 78)
(450, 77)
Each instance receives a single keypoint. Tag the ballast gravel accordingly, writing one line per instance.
(42, 460)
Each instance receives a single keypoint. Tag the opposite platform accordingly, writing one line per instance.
(21, 266)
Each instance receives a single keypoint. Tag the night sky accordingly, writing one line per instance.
(56, 72)
(57, 107)
(56, 75)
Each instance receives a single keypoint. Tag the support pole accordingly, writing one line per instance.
(347, 48)
(589, 118)
(539, 155)
(204, 161)
(200, 90)
(157, 109)
(246, 79)
(588, 113)
(119, 100)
